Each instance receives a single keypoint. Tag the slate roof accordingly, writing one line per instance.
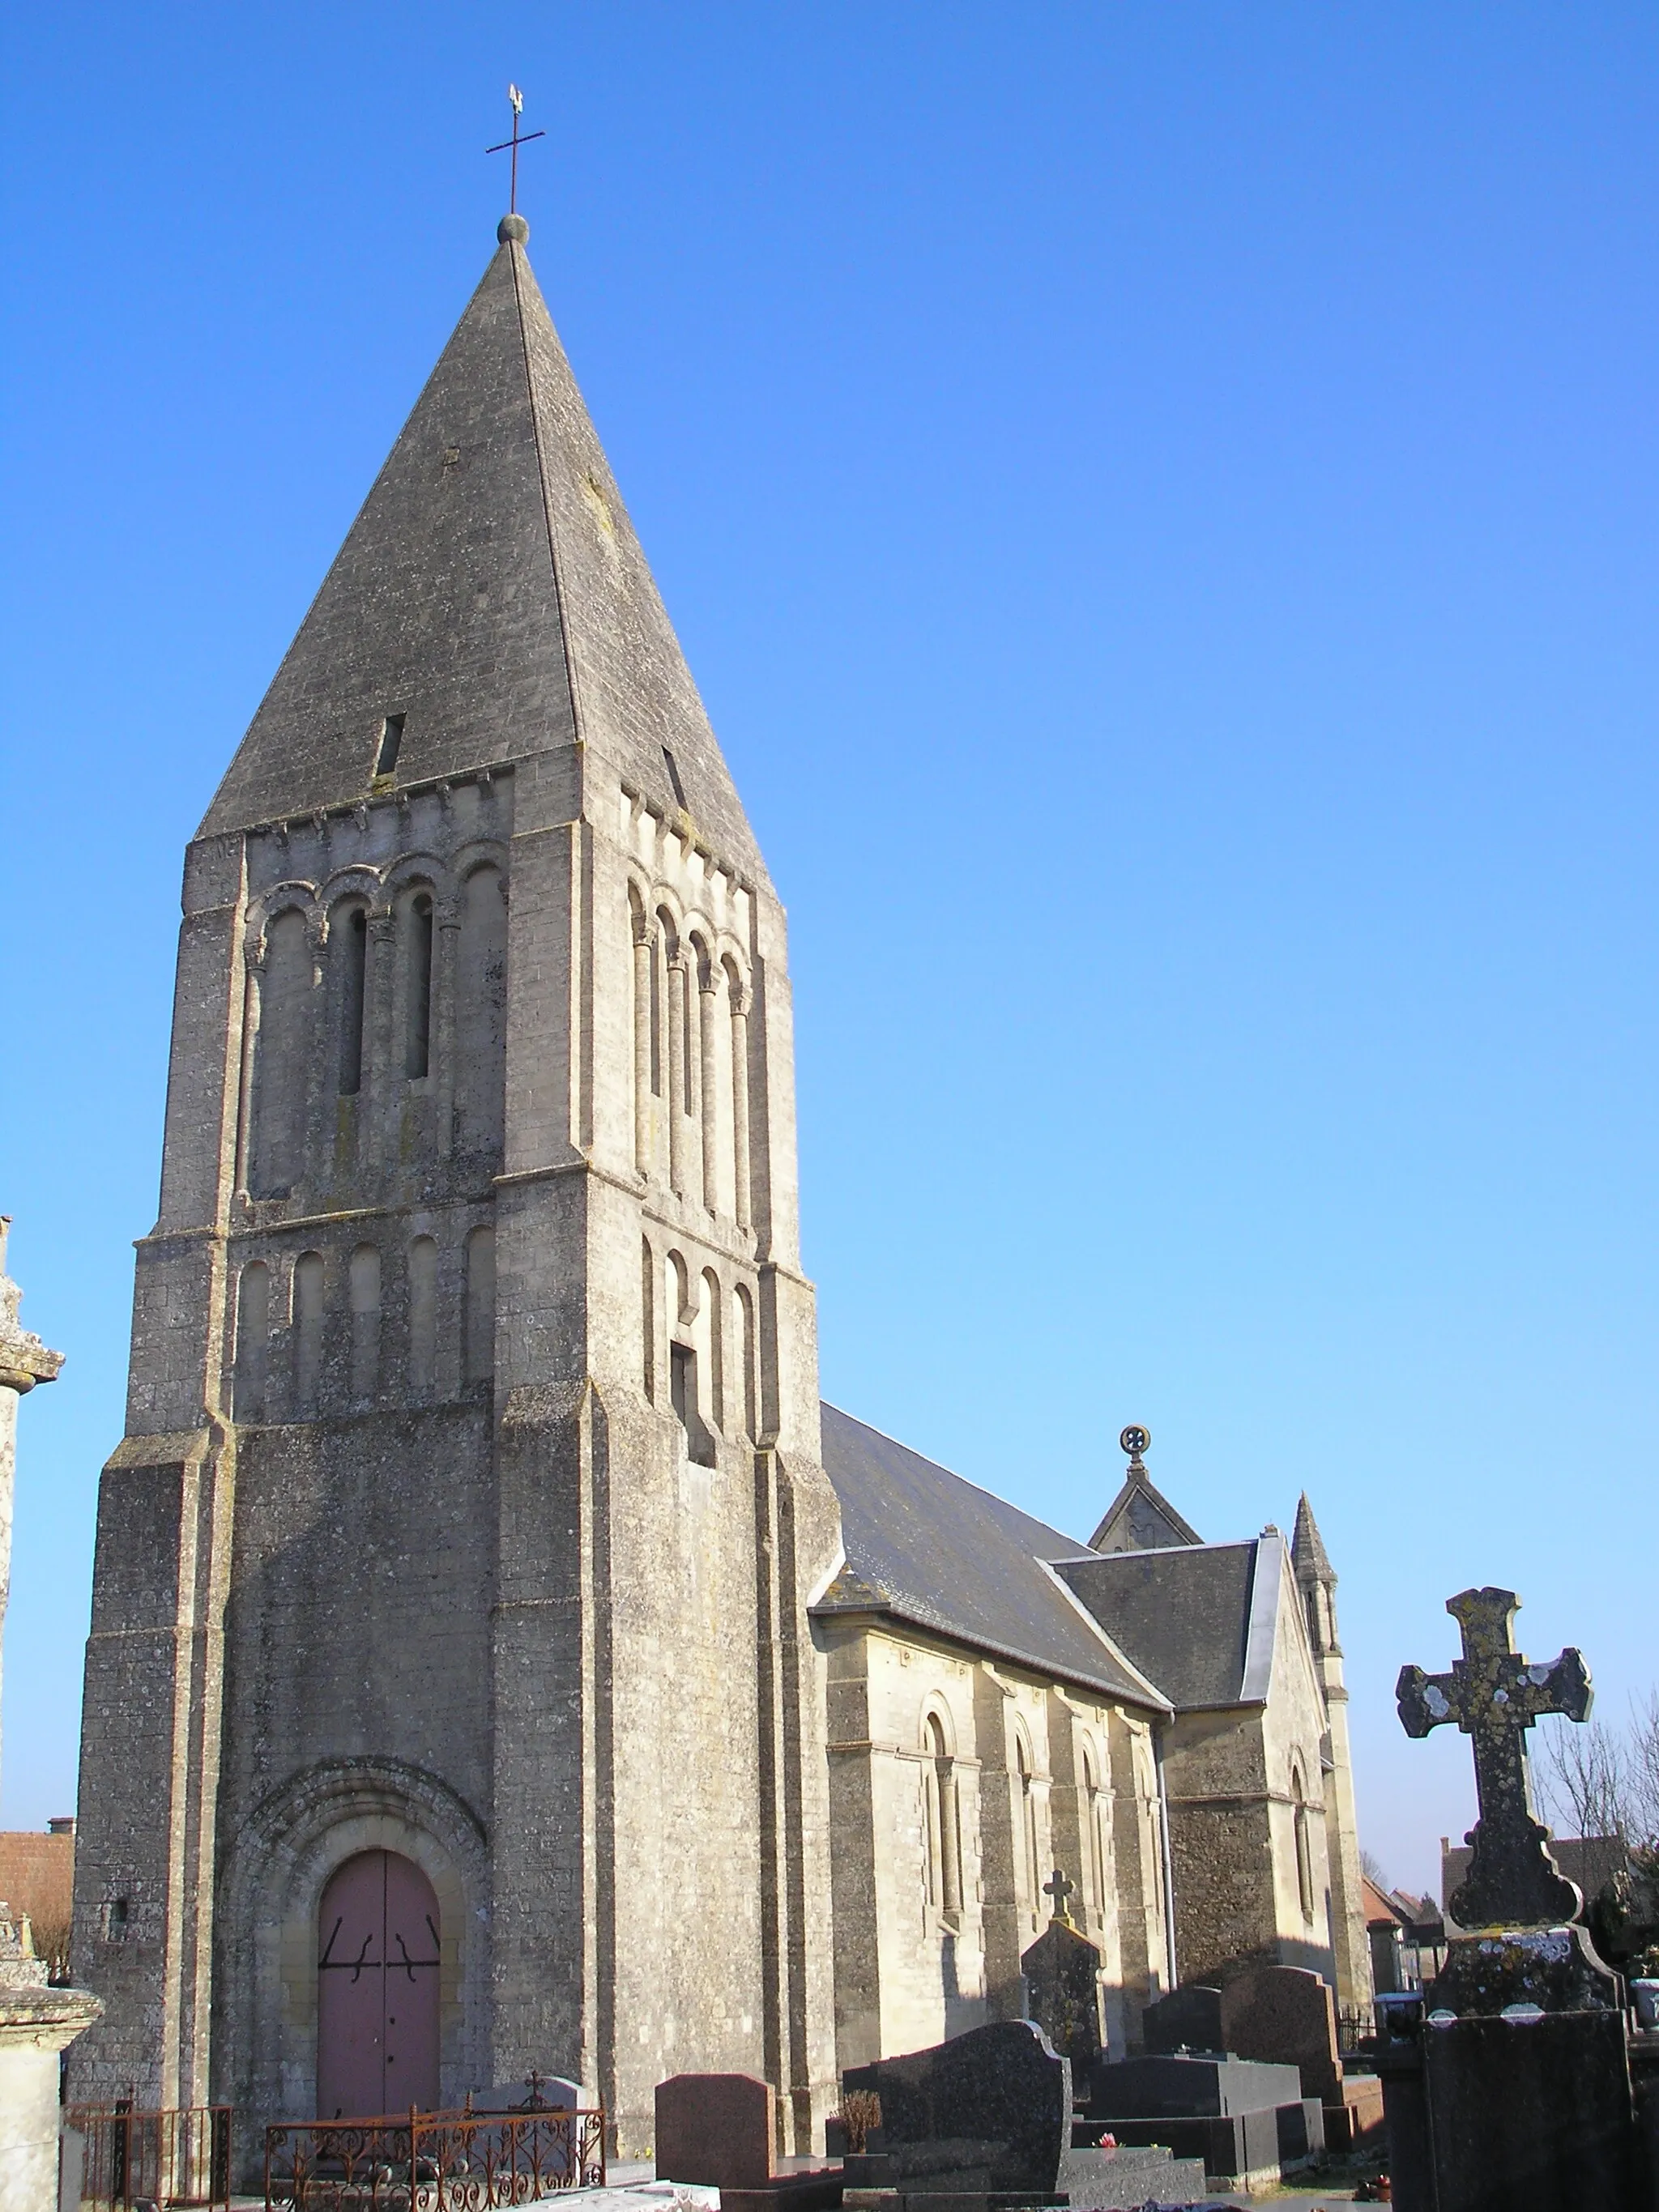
(929, 1548)
(1199, 1620)
(491, 591)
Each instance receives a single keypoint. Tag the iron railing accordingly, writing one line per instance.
(173, 2158)
(463, 2161)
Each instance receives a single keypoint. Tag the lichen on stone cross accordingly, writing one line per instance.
(1061, 1890)
(1495, 1696)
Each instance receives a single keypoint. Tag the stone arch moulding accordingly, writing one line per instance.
(935, 1706)
(291, 896)
(265, 2024)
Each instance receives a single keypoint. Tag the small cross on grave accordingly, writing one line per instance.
(1495, 1696)
(1059, 1889)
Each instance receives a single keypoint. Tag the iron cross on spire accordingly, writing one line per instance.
(512, 145)
(1495, 1696)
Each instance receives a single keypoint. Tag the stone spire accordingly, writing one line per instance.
(490, 602)
(1308, 1554)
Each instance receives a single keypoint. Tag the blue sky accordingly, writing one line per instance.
(1161, 503)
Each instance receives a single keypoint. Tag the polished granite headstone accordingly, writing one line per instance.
(988, 2113)
(1189, 2019)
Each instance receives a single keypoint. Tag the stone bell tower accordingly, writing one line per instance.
(1316, 1579)
(459, 1547)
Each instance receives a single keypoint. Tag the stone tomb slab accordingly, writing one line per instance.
(1183, 2085)
(715, 2129)
(987, 2114)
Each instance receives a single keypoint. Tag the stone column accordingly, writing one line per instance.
(24, 1361)
(36, 2022)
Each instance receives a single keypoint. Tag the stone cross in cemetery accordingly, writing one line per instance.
(1494, 1696)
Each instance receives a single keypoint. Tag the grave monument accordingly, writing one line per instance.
(36, 2022)
(1513, 2087)
(1062, 1986)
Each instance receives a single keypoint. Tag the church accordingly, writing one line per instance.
(500, 1659)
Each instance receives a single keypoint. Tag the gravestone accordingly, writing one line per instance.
(1286, 2015)
(1189, 2019)
(987, 2114)
(1515, 2092)
(715, 2129)
(1062, 1987)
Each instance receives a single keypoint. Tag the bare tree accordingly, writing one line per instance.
(1644, 1773)
(1371, 1867)
(1583, 1774)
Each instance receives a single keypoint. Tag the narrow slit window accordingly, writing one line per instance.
(418, 1046)
(355, 958)
(673, 767)
(392, 737)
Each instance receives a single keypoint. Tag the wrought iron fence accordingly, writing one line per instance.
(1356, 2034)
(173, 2158)
(464, 2161)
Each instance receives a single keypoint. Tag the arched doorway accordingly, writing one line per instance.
(377, 1989)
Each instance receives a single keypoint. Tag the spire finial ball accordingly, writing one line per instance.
(1134, 1440)
(513, 229)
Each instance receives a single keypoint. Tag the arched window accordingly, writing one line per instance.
(705, 1092)
(480, 1346)
(417, 987)
(1029, 1873)
(672, 979)
(282, 1057)
(644, 1035)
(745, 1409)
(942, 1822)
(712, 1350)
(307, 1333)
(365, 1324)
(349, 937)
(1094, 1824)
(738, 1004)
(422, 1317)
(252, 1340)
(481, 1014)
(648, 1317)
(1304, 1883)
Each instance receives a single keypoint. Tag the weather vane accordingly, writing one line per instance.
(512, 145)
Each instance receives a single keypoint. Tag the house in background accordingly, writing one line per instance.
(36, 1884)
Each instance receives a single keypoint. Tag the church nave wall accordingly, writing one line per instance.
(958, 1784)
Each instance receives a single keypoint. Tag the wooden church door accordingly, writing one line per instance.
(377, 1989)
